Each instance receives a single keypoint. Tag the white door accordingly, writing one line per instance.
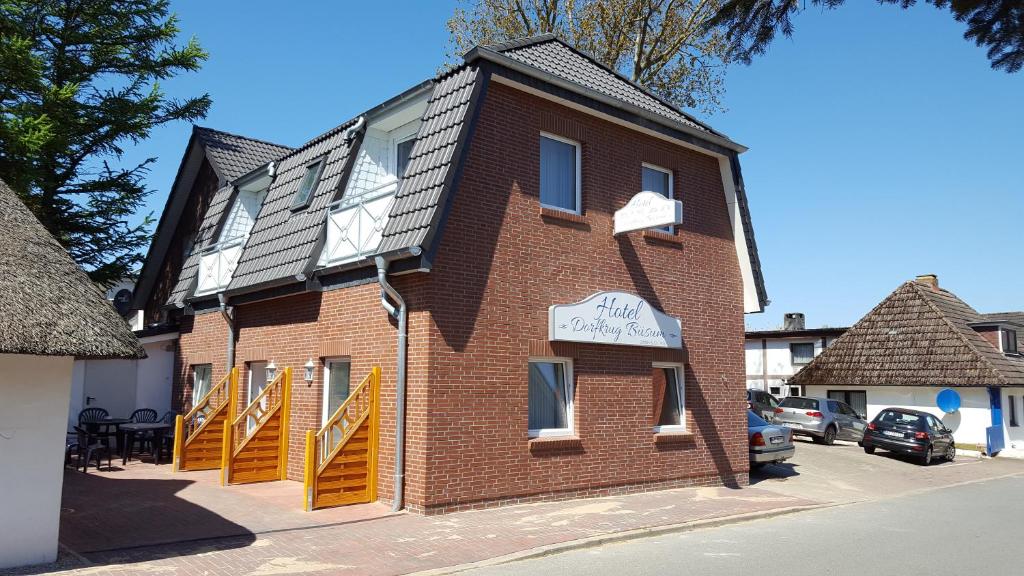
(257, 382)
(109, 384)
(336, 391)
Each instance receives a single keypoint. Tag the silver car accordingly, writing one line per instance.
(823, 419)
(768, 442)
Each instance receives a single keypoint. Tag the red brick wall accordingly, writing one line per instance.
(203, 340)
(501, 264)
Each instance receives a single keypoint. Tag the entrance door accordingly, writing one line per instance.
(337, 374)
(257, 382)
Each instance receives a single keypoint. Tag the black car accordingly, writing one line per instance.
(910, 432)
(762, 403)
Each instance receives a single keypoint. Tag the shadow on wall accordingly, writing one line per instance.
(102, 514)
(952, 421)
(706, 417)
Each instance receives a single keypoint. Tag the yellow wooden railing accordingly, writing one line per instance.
(341, 458)
(197, 434)
(255, 444)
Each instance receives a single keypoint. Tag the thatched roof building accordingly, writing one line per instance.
(48, 305)
(920, 335)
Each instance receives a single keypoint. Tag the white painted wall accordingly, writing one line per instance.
(1013, 435)
(779, 361)
(35, 393)
(968, 424)
(121, 386)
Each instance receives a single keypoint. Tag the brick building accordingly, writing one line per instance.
(486, 200)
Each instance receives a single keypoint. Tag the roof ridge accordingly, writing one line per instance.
(232, 134)
(920, 292)
(534, 40)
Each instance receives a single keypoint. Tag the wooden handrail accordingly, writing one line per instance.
(205, 407)
(273, 393)
(341, 420)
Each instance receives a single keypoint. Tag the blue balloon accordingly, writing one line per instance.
(948, 401)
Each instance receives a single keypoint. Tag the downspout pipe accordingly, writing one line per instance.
(395, 305)
(228, 312)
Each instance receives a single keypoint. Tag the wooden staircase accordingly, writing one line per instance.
(255, 444)
(198, 434)
(341, 458)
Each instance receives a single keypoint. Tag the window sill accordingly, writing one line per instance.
(563, 215)
(673, 437)
(555, 443)
(662, 236)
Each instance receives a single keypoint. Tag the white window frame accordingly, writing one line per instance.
(319, 163)
(403, 133)
(792, 357)
(579, 173)
(569, 393)
(196, 399)
(681, 391)
(326, 375)
(671, 188)
(1002, 341)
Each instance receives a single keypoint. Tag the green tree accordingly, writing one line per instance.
(997, 25)
(660, 44)
(79, 79)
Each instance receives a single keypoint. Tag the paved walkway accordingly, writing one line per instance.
(257, 531)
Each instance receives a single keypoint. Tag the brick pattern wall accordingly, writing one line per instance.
(501, 264)
(203, 340)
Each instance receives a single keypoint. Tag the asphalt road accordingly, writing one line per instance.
(963, 529)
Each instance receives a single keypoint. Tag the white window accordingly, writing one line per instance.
(308, 184)
(201, 374)
(671, 407)
(550, 397)
(337, 373)
(658, 180)
(560, 173)
(1008, 340)
(403, 150)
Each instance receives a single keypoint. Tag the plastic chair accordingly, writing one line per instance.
(169, 418)
(88, 446)
(93, 414)
(144, 415)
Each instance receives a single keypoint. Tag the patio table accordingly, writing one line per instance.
(93, 426)
(130, 429)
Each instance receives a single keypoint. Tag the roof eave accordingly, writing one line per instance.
(491, 56)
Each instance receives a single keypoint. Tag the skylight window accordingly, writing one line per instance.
(308, 184)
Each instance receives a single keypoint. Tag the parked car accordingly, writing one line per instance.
(762, 403)
(768, 442)
(823, 419)
(910, 432)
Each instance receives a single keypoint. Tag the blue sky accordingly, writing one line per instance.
(881, 143)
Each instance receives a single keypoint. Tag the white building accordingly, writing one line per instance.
(774, 356)
(50, 314)
(921, 340)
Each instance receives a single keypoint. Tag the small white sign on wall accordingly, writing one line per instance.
(648, 210)
(614, 318)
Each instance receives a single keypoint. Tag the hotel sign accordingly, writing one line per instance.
(648, 210)
(614, 318)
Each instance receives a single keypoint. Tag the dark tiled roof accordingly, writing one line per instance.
(917, 336)
(48, 305)
(806, 332)
(1013, 317)
(234, 156)
(204, 237)
(282, 241)
(551, 55)
(444, 123)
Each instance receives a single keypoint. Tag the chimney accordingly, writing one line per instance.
(793, 321)
(929, 280)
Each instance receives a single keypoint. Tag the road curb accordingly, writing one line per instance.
(602, 539)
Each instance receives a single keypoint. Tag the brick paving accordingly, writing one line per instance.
(260, 530)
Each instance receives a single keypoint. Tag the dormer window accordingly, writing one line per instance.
(1008, 341)
(308, 184)
(403, 150)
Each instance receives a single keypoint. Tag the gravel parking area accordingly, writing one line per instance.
(844, 473)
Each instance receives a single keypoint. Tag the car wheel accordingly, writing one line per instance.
(927, 459)
(951, 452)
(869, 449)
(830, 436)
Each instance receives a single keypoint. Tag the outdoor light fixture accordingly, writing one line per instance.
(271, 371)
(310, 367)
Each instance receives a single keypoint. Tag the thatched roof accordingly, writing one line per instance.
(917, 336)
(48, 305)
